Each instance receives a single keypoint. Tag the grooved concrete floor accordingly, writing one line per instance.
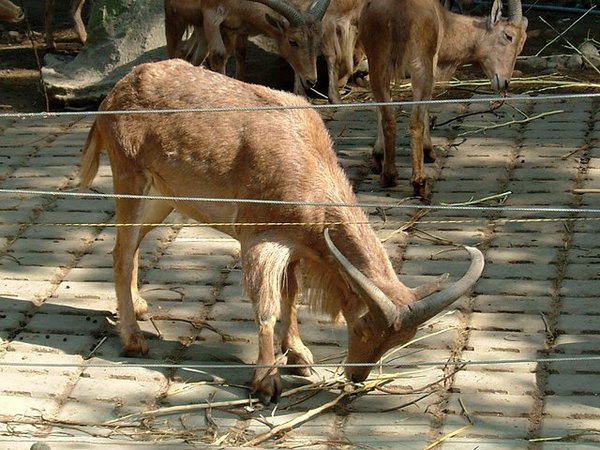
(538, 298)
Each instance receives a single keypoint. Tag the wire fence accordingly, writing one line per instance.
(571, 215)
(361, 105)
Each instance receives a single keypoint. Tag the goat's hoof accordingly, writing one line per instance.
(299, 357)
(266, 385)
(134, 345)
(422, 189)
(389, 179)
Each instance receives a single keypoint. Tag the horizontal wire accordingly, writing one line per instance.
(300, 203)
(293, 366)
(516, 98)
(295, 224)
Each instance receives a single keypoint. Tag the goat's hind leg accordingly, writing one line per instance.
(155, 211)
(130, 212)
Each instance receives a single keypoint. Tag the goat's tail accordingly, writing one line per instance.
(90, 158)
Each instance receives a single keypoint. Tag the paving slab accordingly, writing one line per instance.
(60, 358)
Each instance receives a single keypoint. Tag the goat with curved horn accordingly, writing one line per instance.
(229, 155)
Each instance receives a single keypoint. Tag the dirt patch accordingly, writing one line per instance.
(22, 49)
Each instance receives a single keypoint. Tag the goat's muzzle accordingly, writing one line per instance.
(499, 84)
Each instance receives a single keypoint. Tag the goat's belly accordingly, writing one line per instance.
(199, 202)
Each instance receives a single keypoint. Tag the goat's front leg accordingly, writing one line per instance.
(265, 260)
(417, 131)
(49, 24)
(387, 137)
(292, 345)
(217, 51)
(266, 382)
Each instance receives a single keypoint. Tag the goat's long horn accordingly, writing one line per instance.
(319, 8)
(431, 305)
(515, 11)
(377, 302)
(293, 16)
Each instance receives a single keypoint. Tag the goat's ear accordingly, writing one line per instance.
(280, 25)
(495, 14)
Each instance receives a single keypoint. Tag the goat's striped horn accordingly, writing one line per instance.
(515, 10)
(319, 8)
(378, 303)
(431, 305)
(293, 16)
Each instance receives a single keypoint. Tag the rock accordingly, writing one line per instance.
(588, 49)
(591, 55)
(121, 34)
(574, 62)
(533, 62)
(556, 62)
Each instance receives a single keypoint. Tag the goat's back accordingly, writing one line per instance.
(396, 33)
(282, 154)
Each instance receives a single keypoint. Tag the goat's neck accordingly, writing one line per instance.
(460, 40)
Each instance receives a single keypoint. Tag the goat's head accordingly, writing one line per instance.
(10, 12)
(299, 36)
(387, 323)
(506, 38)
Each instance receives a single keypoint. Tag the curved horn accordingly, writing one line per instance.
(319, 8)
(377, 302)
(293, 16)
(515, 11)
(425, 309)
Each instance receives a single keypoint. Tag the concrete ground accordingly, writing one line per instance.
(63, 382)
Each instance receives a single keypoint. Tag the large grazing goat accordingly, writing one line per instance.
(222, 27)
(421, 39)
(9, 12)
(275, 156)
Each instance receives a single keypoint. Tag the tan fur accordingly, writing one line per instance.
(9, 12)
(282, 155)
(421, 39)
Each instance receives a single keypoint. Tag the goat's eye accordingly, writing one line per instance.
(293, 43)
(508, 37)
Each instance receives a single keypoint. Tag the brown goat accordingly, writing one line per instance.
(422, 39)
(280, 156)
(222, 27)
(9, 12)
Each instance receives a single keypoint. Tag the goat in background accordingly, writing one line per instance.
(422, 39)
(277, 155)
(222, 27)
